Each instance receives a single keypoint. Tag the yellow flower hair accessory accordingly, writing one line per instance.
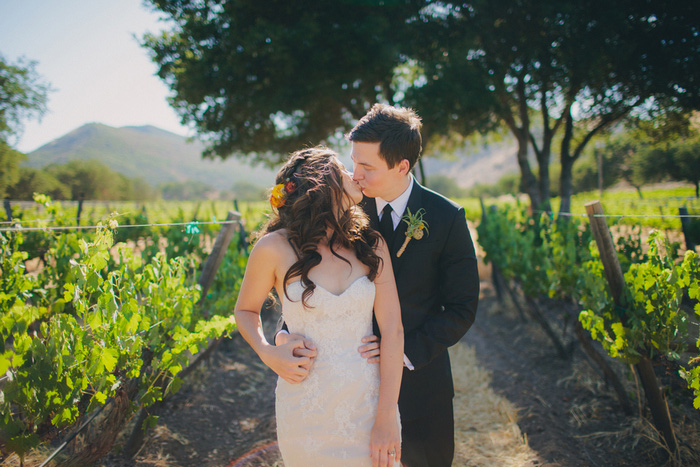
(416, 226)
(280, 191)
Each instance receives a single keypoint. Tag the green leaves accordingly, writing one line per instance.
(109, 358)
(560, 258)
(94, 317)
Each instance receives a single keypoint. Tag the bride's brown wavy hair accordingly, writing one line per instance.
(313, 209)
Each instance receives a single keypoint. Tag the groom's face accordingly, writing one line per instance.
(373, 174)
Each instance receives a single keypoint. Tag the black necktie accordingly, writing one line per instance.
(386, 225)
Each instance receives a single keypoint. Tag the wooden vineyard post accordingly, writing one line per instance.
(613, 273)
(217, 253)
(685, 226)
(8, 209)
(80, 210)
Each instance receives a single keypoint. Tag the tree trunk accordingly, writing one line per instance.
(529, 181)
(566, 184)
(567, 164)
(421, 169)
(522, 135)
(544, 153)
(545, 194)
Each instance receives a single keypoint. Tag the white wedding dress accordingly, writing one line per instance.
(326, 420)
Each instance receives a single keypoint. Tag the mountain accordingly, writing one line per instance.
(148, 152)
(160, 156)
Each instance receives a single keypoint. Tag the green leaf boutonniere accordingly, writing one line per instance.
(417, 227)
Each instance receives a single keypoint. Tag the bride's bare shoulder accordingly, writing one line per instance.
(273, 242)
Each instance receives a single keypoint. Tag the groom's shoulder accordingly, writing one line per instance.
(435, 199)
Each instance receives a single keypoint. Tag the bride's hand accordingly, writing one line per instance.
(291, 360)
(307, 350)
(385, 441)
(370, 350)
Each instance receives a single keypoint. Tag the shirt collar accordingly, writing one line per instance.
(399, 204)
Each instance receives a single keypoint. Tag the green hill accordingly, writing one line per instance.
(159, 156)
(148, 152)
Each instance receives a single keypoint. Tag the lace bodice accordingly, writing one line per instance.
(333, 322)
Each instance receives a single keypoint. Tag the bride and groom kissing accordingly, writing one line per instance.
(337, 253)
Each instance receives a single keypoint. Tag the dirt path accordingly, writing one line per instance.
(517, 404)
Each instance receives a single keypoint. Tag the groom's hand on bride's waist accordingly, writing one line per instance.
(370, 349)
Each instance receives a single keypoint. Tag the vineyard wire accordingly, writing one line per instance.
(26, 221)
(83, 227)
(568, 214)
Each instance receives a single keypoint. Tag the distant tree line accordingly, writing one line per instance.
(79, 179)
(629, 155)
(93, 180)
(637, 159)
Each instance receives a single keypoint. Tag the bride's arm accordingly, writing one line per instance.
(258, 281)
(386, 436)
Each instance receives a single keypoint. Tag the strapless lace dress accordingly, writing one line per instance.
(326, 420)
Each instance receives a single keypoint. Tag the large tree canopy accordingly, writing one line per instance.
(550, 65)
(268, 77)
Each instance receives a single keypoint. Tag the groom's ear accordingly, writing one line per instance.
(404, 166)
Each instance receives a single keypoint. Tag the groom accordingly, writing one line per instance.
(436, 277)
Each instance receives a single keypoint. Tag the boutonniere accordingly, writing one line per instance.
(417, 227)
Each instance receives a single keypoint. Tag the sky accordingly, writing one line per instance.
(88, 51)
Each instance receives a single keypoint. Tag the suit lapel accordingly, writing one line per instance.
(415, 200)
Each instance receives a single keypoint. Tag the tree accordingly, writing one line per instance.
(37, 181)
(482, 58)
(580, 66)
(686, 162)
(245, 190)
(446, 185)
(22, 96)
(9, 167)
(267, 77)
(646, 63)
(191, 189)
(91, 179)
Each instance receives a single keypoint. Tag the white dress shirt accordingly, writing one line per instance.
(398, 206)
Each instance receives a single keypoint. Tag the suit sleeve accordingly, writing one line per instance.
(458, 277)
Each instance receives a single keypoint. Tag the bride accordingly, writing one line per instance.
(331, 272)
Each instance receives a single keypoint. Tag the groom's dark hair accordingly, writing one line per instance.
(396, 129)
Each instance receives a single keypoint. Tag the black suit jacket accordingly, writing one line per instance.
(438, 285)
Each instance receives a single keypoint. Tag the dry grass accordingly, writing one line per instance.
(32, 458)
(486, 429)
